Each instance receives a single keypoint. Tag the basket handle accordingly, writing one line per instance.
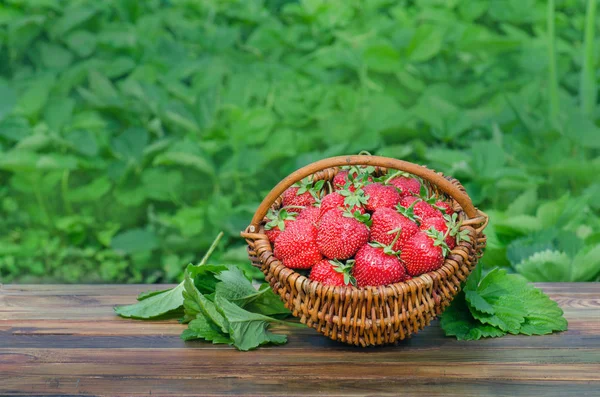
(446, 186)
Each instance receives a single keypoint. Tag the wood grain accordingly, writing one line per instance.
(65, 340)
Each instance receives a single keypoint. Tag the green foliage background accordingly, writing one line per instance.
(131, 132)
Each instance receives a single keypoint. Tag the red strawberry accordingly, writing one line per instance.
(387, 223)
(407, 186)
(356, 180)
(296, 247)
(440, 225)
(310, 214)
(277, 221)
(340, 179)
(293, 199)
(377, 266)
(421, 209)
(343, 199)
(340, 235)
(381, 196)
(424, 252)
(444, 206)
(330, 272)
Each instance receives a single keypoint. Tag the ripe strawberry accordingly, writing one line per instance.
(381, 196)
(352, 179)
(387, 223)
(310, 214)
(440, 225)
(407, 186)
(424, 252)
(331, 272)
(422, 209)
(377, 266)
(278, 220)
(340, 235)
(296, 247)
(344, 199)
(340, 179)
(294, 197)
(444, 207)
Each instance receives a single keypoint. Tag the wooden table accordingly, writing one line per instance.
(65, 340)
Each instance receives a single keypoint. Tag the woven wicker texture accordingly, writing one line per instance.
(371, 315)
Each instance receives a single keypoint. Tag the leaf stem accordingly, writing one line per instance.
(64, 191)
(587, 88)
(552, 78)
(211, 249)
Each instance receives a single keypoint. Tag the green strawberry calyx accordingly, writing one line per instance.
(345, 269)
(438, 240)
(277, 218)
(387, 249)
(362, 218)
(358, 177)
(385, 179)
(454, 228)
(357, 198)
(310, 186)
(409, 211)
(424, 196)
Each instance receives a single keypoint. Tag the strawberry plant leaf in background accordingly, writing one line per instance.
(8, 99)
(546, 266)
(144, 123)
(136, 240)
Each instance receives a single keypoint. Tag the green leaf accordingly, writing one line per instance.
(55, 56)
(495, 302)
(35, 97)
(268, 303)
(548, 265)
(72, 18)
(247, 330)
(131, 143)
(134, 241)
(195, 303)
(508, 302)
(203, 328)
(426, 43)
(205, 276)
(583, 131)
(186, 160)
(58, 112)
(235, 287)
(14, 128)
(458, 321)
(151, 293)
(382, 57)
(524, 204)
(8, 99)
(94, 190)
(160, 184)
(586, 265)
(544, 316)
(83, 141)
(158, 304)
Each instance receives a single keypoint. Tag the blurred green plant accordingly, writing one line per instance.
(131, 132)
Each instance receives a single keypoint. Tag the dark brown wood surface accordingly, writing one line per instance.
(65, 340)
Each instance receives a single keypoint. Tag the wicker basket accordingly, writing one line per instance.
(372, 315)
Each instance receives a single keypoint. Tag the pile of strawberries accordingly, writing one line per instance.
(367, 231)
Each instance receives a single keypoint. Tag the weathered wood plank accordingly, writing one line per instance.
(65, 340)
